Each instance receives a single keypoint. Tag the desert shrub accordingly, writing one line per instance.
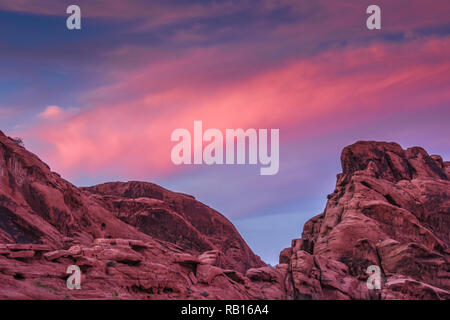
(19, 141)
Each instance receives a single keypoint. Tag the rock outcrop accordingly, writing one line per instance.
(390, 209)
(131, 240)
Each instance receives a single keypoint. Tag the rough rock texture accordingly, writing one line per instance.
(390, 208)
(176, 218)
(131, 240)
(136, 240)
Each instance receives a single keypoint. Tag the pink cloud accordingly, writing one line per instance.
(51, 112)
(130, 134)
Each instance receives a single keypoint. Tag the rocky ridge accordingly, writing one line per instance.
(137, 240)
(132, 240)
(391, 209)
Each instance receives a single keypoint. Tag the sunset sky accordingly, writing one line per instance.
(99, 104)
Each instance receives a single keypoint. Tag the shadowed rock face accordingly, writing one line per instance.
(390, 208)
(176, 218)
(131, 240)
(137, 240)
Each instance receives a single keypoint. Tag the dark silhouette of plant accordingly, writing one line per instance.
(19, 141)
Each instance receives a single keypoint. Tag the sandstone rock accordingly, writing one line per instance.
(136, 240)
(119, 234)
(391, 209)
(399, 287)
(24, 254)
(120, 255)
(53, 255)
(75, 250)
(192, 277)
(207, 273)
(186, 259)
(145, 205)
(266, 274)
(18, 246)
(235, 276)
(40, 247)
(138, 244)
(305, 276)
(104, 242)
(285, 255)
(209, 257)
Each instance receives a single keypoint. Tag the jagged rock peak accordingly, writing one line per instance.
(389, 161)
(390, 210)
(135, 239)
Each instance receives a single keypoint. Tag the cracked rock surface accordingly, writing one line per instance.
(131, 240)
(137, 240)
(391, 209)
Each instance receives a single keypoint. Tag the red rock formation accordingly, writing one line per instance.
(176, 218)
(131, 240)
(136, 240)
(390, 208)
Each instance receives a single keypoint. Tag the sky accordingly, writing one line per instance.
(99, 104)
